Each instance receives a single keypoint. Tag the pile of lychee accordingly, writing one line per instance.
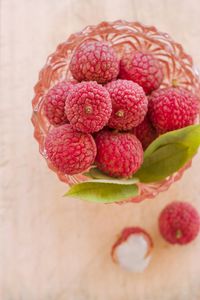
(112, 110)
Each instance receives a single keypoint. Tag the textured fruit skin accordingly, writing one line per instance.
(125, 234)
(71, 152)
(172, 108)
(129, 104)
(54, 102)
(118, 154)
(145, 132)
(142, 68)
(95, 61)
(179, 223)
(88, 107)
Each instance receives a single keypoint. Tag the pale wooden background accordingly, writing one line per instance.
(53, 248)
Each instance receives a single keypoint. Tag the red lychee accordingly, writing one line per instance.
(179, 223)
(54, 102)
(129, 104)
(145, 132)
(133, 249)
(142, 68)
(172, 108)
(88, 107)
(71, 152)
(118, 154)
(94, 60)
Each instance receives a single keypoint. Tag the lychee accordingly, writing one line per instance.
(133, 249)
(179, 223)
(95, 61)
(118, 154)
(71, 152)
(145, 132)
(129, 104)
(54, 102)
(143, 68)
(172, 108)
(88, 107)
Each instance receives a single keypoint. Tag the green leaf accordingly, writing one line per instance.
(168, 153)
(97, 174)
(163, 162)
(188, 136)
(97, 191)
(117, 181)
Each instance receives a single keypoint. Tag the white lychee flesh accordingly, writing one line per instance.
(133, 254)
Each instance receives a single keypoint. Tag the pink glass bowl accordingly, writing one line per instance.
(177, 65)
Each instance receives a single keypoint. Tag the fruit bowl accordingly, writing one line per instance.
(177, 66)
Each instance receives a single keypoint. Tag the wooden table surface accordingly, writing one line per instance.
(54, 248)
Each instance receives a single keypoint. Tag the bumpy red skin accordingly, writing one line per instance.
(54, 102)
(145, 132)
(88, 107)
(71, 152)
(143, 68)
(118, 154)
(126, 233)
(176, 218)
(95, 61)
(129, 104)
(172, 108)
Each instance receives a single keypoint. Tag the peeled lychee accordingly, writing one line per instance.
(88, 107)
(179, 223)
(118, 154)
(71, 152)
(145, 132)
(95, 61)
(133, 249)
(54, 102)
(129, 104)
(172, 108)
(142, 68)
